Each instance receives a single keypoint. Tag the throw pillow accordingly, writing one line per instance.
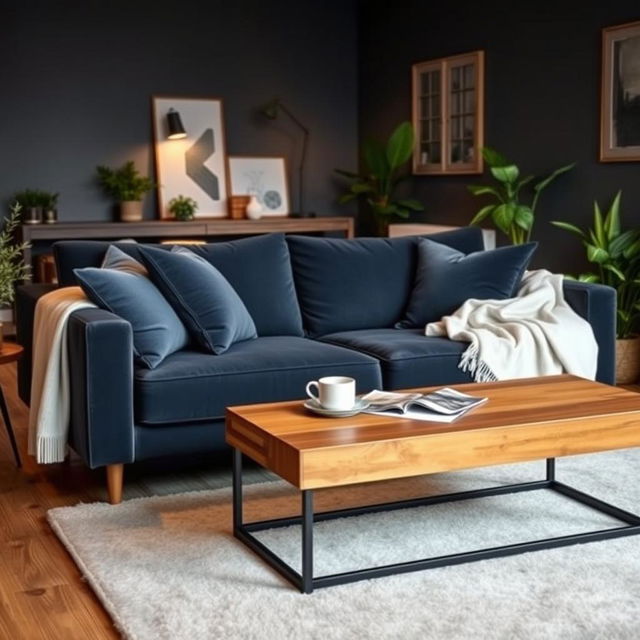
(446, 278)
(123, 288)
(208, 305)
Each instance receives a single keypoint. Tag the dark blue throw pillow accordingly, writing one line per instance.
(208, 305)
(122, 287)
(446, 278)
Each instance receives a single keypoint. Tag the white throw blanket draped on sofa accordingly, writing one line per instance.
(50, 392)
(534, 334)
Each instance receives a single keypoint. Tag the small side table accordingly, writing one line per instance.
(9, 352)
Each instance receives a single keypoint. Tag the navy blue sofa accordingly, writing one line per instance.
(321, 306)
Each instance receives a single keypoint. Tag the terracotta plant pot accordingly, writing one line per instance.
(628, 360)
(131, 211)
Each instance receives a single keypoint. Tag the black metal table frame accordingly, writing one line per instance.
(306, 582)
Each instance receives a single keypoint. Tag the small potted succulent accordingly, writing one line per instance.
(127, 187)
(183, 207)
(49, 203)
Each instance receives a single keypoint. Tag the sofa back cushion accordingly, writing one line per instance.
(258, 268)
(363, 283)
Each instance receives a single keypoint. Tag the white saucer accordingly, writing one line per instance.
(314, 406)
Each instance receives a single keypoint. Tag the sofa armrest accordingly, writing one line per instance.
(596, 303)
(101, 374)
(27, 296)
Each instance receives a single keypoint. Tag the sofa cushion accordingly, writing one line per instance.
(258, 268)
(446, 278)
(192, 386)
(407, 357)
(157, 330)
(208, 305)
(360, 283)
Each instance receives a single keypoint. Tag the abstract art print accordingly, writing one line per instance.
(263, 177)
(194, 164)
(620, 115)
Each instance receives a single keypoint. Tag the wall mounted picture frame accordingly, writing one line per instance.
(620, 97)
(194, 165)
(262, 176)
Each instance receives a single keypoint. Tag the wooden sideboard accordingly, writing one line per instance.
(200, 228)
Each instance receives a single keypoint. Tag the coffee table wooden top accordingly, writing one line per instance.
(523, 420)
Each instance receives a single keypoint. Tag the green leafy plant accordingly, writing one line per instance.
(48, 200)
(125, 183)
(12, 267)
(383, 166)
(29, 198)
(616, 253)
(514, 218)
(183, 208)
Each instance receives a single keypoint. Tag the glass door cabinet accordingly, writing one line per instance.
(448, 114)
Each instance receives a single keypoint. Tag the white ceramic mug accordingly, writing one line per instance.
(337, 393)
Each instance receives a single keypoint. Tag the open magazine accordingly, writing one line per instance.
(443, 405)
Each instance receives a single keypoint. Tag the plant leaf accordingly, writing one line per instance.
(375, 159)
(482, 214)
(612, 219)
(493, 158)
(543, 184)
(597, 254)
(611, 267)
(588, 277)
(503, 217)
(523, 217)
(568, 227)
(361, 187)
(478, 190)
(400, 145)
(507, 175)
(347, 197)
(348, 174)
(598, 226)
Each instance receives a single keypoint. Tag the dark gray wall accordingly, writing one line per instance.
(542, 100)
(77, 77)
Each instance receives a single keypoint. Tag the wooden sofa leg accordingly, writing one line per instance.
(114, 482)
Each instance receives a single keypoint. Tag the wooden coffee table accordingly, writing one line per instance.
(534, 419)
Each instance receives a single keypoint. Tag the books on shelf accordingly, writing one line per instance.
(443, 405)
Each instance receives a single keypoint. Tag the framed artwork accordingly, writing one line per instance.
(195, 164)
(620, 100)
(264, 177)
(448, 114)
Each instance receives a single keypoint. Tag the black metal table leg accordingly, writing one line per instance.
(237, 489)
(307, 541)
(7, 424)
(551, 469)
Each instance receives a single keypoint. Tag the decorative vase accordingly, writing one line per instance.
(50, 216)
(627, 360)
(32, 215)
(254, 209)
(131, 211)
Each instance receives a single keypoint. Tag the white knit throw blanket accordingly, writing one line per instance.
(50, 390)
(534, 334)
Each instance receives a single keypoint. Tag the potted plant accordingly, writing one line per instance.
(514, 218)
(127, 187)
(49, 203)
(183, 208)
(616, 254)
(382, 173)
(12, 267)
(30, 204)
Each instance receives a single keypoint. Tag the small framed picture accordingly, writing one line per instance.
(620, 109)
(191, 155)
(263, 177)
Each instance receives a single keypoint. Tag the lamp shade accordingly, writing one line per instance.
(175, 126)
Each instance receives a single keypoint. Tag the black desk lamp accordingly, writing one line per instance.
(271, 111)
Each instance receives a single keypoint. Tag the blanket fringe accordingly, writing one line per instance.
(51, 449)
(479, 370)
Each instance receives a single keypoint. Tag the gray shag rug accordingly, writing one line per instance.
(168, 567)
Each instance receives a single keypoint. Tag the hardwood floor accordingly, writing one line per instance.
(42, 594)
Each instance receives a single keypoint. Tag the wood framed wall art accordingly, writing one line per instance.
(448, 114)
(194, 165)
(620, 99)
(264, 177)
